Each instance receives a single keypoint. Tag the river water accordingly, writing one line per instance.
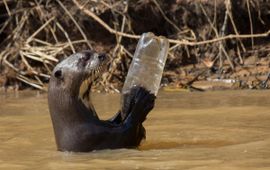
(196, 131)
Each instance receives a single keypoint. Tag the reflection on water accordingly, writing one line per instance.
(212, 130)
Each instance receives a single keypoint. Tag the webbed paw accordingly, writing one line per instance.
(144, 102)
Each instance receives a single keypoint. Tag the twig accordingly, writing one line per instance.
(7, 8)
(17, 30)
(221, 47)
(5, 24)
(66, 35)
(42, 42)
(250, 23)
(222, 33)
(27, 81)
(75, 22)
(179, 42)
(165, 17)
(234, 26)
(229, 8)
(34, 58)
(100, 21)
(112, 6)
(119, 38)
(127, 52)
(230, 36)
(37, 31)
(38, 8)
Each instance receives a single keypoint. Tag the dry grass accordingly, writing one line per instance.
(37, 34)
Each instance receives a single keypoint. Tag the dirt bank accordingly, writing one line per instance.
(35, 36)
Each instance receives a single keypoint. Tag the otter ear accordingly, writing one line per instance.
(58, 74)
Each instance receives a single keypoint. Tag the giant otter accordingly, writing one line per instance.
(76, 125)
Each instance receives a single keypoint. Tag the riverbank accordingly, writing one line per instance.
(222, 43)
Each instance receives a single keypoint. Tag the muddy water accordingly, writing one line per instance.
(198, 131)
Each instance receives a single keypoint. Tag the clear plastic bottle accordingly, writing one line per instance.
(147, 64)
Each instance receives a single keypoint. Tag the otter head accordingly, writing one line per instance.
(72, 78)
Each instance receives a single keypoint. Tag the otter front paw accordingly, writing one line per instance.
(144, 102)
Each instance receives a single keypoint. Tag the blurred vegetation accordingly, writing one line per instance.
(211, 40)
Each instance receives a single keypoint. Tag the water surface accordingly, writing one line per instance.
(195, 131)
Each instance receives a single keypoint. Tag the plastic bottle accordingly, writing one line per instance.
(147, 64)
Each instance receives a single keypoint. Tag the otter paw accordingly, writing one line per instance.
(144, 102)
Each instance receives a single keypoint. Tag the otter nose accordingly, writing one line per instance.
(102, 57)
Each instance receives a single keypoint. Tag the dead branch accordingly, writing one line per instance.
(179, 42)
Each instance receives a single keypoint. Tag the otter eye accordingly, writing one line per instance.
(102, 57)
(58, 74)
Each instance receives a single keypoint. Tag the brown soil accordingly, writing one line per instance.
(241, 63)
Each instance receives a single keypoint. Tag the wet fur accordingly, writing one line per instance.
(77, 128)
